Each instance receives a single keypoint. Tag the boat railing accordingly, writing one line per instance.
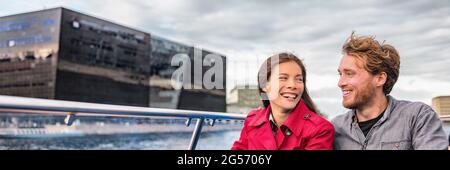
(71, 109)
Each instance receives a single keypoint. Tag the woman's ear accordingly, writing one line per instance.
(265, 88)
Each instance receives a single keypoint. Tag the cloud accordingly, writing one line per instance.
(250, 31)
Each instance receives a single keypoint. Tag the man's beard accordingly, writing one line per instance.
(361, 98)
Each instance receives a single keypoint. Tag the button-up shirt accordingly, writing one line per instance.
(404, 125)
(274, 126)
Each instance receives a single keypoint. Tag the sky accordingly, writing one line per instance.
(248, 32)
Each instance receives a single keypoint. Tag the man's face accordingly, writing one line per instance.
(356, 83)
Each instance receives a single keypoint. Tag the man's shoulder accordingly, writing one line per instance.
(341, 121)
(342, 118)
(412, 107)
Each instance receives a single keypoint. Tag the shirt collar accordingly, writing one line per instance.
(387, 113)
(273, 124)
(293, 122)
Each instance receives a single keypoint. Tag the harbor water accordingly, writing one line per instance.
(220, 140)
(171, 136)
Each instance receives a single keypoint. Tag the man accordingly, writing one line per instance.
(368, 71)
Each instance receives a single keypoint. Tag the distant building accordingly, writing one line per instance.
(242, 99)
(442, 105)
(62, 54)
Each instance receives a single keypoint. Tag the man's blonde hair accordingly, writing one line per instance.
(375, 57)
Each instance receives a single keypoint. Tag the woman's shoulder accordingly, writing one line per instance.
(255, 112)
(255, 115)
(317, 120)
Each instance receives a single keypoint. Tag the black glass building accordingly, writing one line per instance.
(66, 55)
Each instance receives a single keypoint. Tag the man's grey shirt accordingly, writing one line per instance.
(405, 125)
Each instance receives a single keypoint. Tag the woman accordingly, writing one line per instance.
(288, 120)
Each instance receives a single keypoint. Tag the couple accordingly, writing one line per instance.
(368, 71)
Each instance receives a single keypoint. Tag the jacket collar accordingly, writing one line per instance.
(387, 112)
(294, 121)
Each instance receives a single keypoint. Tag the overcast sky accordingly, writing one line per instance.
(247, 32)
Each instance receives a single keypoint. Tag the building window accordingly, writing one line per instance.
(11, 43)
(75, 24)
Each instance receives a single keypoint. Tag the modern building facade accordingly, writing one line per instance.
(66, 55)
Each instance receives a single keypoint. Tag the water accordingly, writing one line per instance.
(105, 133)
(221, 140)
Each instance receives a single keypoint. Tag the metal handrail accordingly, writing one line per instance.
(71, 109)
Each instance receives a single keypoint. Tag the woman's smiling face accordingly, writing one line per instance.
(285, 86)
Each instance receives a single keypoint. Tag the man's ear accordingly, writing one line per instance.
(381, 79)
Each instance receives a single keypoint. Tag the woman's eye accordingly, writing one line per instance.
(283, 78)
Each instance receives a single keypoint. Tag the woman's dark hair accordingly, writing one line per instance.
(265, 72)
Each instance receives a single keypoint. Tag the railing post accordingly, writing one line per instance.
(196, 133)
(188, 122)
(69, 119)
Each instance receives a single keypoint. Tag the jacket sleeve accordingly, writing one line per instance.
(428, 133)
(242, 143)
(322, 139)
